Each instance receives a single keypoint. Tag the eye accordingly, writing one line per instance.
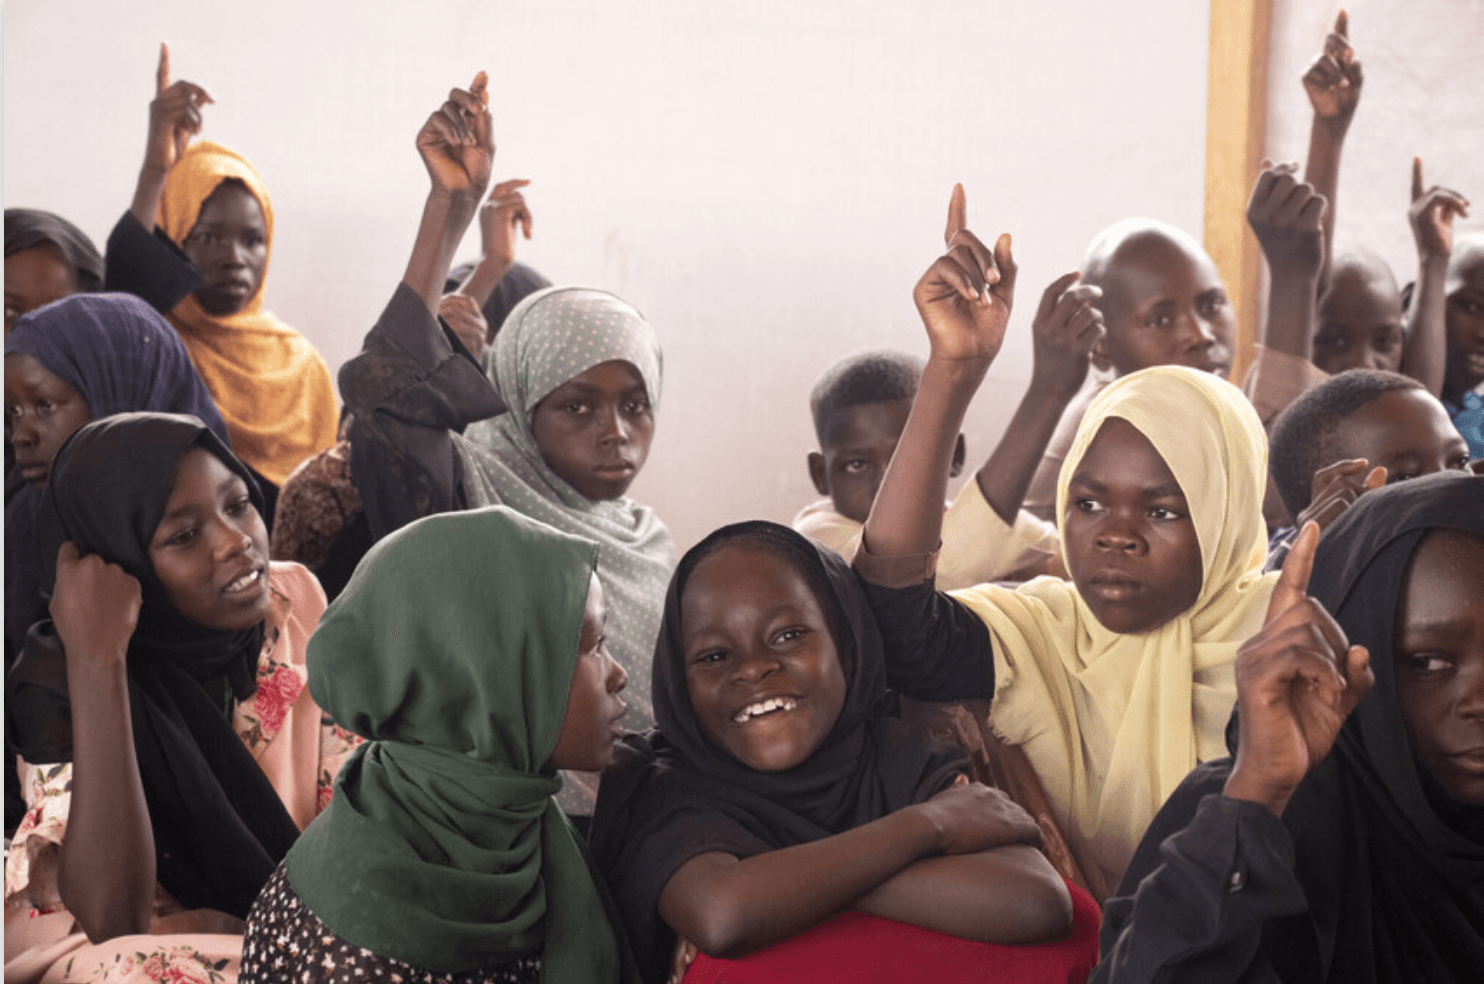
(45, 408)
(239, 506)
(1459, 462)
(636, 407)
(1160, 319)
(1087, 505)
(854, 466)
(709, 657)
(1330, 340)
(1427, 666)
(1165, 513)
(1386, 343)
(575, 408)
(1467, 306)
(12, 411)
(1402, 476)
(183, 538)
(1213, 304)
(791, 634)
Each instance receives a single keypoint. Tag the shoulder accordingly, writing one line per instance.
(297, 595)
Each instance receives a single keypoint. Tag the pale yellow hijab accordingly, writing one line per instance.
(1113, 722)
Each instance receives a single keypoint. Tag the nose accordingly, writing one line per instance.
(618, 677)
(229, 540)
(1471, 703)
(754, 667)
(22, 429)
(1118, 536)
(612, 428)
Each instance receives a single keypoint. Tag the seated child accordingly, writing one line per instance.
(780, 790)
(1328, 446)
(1463, 385)
(1118, 682)
(1359, 323)
(172, 750)
(469, 651)
(1341, 842)
(579, 370)
(206, 266)
(859, 407)
(47, 258)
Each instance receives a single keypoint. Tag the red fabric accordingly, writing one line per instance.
(862, 949)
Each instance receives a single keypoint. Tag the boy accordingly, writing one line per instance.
(860, 406)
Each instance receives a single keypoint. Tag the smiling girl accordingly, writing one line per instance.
(172, 748)
(1117, 683)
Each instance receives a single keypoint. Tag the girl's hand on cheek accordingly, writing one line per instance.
(965, 297)
(970, 817)
(95, 607)
(1298, 679)
(457, 142)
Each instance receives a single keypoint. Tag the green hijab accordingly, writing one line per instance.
(452, 649)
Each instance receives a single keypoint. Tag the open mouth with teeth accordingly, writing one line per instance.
(244, 583)
(763, 708)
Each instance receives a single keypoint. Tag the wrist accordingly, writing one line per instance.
(1432, 262)
(1242, 785)
(1333, 127)
(1051, 390)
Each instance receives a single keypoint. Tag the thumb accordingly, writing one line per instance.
(1004, 258)
(1293, 582)
(68, 554)
(958, 214)
(1375, 478)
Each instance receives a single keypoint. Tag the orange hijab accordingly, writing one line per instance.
(270, 384)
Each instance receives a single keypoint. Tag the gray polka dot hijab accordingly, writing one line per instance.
(550, 337)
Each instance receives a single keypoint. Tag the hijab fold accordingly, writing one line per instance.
(272, 386)
(452, 650)
(1112, 722)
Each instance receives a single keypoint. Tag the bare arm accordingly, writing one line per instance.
(499, 217)
(174, 118)
(1286, 216)
(1425, 357)
(1333, 83)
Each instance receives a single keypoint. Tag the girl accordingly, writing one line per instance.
(469, 649)
(173, 751)
(46, 258)
(208, 271)
(1335, 849)
(781, 790)
(1117, 683)
(576, 372)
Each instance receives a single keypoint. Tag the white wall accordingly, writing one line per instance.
(764, 180)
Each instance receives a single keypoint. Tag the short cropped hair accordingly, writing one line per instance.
(1304, 438)
(876, 376)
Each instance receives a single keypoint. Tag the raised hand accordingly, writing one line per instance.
(457, 142)
(971, 817)
(1298, 679)
(1334, 79)
(1287, 217)
(1431, 214)
(174, 116)
(95, 607)
(965, 297)
(467, 321)
(500, 216)
(1335, 487)
(1063, 334)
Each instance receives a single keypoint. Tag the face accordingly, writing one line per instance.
(210, 550)
(1439, 649)
(591, 724)
(761, 665)
(34, 278)
(1130, 542)
(1164, 304)
(857, 449)
(229, 242)
(41, 411)
(1408, 431)
(1360, 324)
(595, 429)
(1465, 318)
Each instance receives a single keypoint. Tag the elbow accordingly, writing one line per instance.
(722, 935)
(1047, 910)
(123, 919)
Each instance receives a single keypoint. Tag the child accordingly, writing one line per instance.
(859, 407)
(1328, 445)
(1463, 385)
(173, 751)
(469, 650)
(217, 222)
(1341, 843)
(1117, 683)
(579, 370)
(47, 258)
(780, 791)
(1359, 317)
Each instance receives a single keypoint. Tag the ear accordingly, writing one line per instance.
(1099, 354)
(818, 474)
(960, 452)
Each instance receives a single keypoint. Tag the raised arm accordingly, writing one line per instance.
(501, 217)
(1063, 333)
(1286, 215)
(106, 875)
(964, 300)
(1333, 82)
(730, 907)
(1425, 357)
(174, 119)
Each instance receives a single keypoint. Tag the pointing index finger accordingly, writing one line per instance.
(162, 71)
(1416, 178)
(1342, 24)
(1293, 581)
(958, 212)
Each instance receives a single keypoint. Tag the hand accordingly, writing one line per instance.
(501, 214)
(1431, 215)
(1333, 81)
(680, 961)
(457, 142)
(1287, 217)
(95, 607)
(1335, 487)
(467, 322)
(1297, 680)
(965, 297)
(174, 116)
(972, 817)
(1063, 334)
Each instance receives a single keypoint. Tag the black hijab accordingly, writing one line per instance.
(28, 228)
(1392, 868)
(219, 827)
(676, 795)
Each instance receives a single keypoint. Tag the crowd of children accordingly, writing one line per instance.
(1203, 700)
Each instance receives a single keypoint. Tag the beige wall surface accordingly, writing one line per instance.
(764, 180)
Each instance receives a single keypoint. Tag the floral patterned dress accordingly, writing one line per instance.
(298, 749)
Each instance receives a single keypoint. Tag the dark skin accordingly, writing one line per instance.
(1286, 214)
(1465, 318)
(1359, 318)
(41, 412)
(503, 215)
(758, 647)
(857, 448)
(1333, 82)
(1431, 217)
(590, 725)
(34, 278)
(595, 430)
(229, 242)
(174, 120)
